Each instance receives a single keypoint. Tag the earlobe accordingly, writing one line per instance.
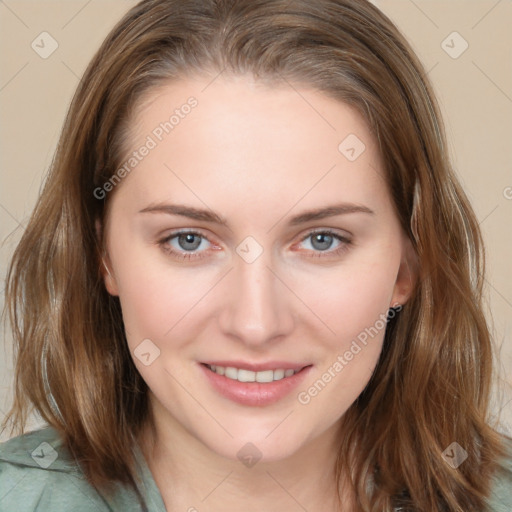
(406, 277)
(108, 277)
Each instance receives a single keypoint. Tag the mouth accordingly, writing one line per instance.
(260, 385)
(261, 376)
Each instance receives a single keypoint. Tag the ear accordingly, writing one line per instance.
(108, 275)
(407, 274)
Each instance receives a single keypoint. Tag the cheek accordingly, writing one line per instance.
(354, 304)
(159, 301)
(147, 300)
(348, 358)
(152, 304)
(354, 297)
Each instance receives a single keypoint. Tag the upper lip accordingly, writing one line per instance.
(258, 367)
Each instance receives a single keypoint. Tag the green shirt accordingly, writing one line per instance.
(38, 474)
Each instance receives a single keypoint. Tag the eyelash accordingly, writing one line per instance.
(345, 243)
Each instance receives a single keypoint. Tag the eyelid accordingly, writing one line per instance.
(185, 231)
(344, 240)
(330, 231)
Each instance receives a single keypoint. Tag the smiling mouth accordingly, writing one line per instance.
(263, 376)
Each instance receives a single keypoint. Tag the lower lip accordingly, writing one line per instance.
(254, 393)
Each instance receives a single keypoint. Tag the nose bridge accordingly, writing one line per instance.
(257, 307)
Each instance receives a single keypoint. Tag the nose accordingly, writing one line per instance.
(258, 305)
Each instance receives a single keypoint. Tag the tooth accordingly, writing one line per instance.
(265, 376)
(246, 376)
(231, 373)
(243, 375)
(278, 374)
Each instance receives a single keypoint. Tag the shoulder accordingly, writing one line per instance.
(37, 473)
(500, 499)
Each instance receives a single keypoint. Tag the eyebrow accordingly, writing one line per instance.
(211, 216)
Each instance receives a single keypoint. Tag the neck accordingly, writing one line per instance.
(191, 477)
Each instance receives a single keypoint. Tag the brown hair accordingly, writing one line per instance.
(432, 384)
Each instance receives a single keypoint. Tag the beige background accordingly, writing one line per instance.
(474, 89)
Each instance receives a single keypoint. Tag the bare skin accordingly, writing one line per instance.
(257, 156)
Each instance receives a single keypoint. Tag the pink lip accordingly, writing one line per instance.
(258, 367)
(254, 393)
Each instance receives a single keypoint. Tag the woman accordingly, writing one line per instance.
(319, 345)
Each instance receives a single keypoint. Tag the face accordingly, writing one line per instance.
(254, 232)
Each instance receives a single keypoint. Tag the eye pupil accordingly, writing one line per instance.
(324, 239)
(188, 238)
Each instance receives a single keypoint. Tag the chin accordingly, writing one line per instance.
(258, 446)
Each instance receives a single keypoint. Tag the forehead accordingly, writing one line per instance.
(242, 140)
(248, 110)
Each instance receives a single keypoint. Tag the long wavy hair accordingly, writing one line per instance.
(433, 380)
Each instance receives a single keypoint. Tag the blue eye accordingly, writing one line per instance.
(188, 244)
(187, 241)
(322, 241)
